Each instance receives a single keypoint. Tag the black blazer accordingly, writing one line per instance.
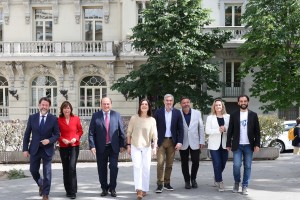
(176, 126)
(97, 132)
(50, 131)
(233, 132)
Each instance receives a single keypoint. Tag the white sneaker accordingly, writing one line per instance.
(245, 190)
(215, 183)
(236, 187)
(221, 187)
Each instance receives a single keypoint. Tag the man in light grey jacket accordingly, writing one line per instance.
(193, 141)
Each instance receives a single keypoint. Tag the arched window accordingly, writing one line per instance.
(92, 89)
(4, 98)
(44, 86)
(3, 92)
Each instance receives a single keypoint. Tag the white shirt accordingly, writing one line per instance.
(168, 118)
(42, 117)
(244, 128)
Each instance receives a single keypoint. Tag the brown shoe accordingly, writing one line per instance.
(144, 193)
(45, 197)
(139, 194)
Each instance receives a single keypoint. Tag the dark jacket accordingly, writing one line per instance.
(233, 132)
(176, 126)
(50, 131)
(97, 132)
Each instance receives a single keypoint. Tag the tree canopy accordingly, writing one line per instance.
(272, 52)
(179, 53)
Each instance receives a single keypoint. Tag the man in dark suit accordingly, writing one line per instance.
(106, 140)
(43, 128)
(170, 138)
(243, 138)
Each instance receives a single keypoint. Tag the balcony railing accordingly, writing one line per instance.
(237, 31)
(87, 112)
(51, 48)
(233, 89)
(53, 110)
(4, 111)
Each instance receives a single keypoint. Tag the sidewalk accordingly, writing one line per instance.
(275, 179)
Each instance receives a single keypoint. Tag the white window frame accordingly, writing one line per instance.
(223, 3)
(4, 87)
(93, 20)
(93, 88)
(139, 15)
(41, 89)
(43, 21)
(232, 74)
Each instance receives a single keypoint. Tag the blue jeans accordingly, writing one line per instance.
(245, 151)
(219, 158)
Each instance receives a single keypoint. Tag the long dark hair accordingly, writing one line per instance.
(64, 105)
(149, 112)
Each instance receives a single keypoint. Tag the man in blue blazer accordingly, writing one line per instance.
(106, 140)
(170, 138)
(44, 132)
(243, 138)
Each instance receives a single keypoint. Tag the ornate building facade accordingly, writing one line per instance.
(76, 49)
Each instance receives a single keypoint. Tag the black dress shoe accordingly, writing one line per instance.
(73, 196)
(188, 185)
(68, 194)
(113, 193)
(194, 184)
(104, 193)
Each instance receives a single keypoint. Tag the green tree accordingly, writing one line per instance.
(178, 51)
(272, 52)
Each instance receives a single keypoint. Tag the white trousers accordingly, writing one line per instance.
(141, 159)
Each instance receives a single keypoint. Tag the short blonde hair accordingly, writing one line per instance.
(213, 111)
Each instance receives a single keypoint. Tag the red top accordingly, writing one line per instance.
(70, 131)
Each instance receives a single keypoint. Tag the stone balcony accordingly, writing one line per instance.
(34, 50)
(237, 33)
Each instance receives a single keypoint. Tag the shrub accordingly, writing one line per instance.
(271, 127)
(16, 174)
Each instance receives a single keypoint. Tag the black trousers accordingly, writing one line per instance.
(195, 157)
(69, 157)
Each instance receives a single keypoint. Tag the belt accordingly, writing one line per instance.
(168, 138)
(108, 145)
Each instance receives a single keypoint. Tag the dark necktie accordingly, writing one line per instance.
(42, 124)
(107, 127)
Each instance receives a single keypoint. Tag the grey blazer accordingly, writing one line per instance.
(194, 133)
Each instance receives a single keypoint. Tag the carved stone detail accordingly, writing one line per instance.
(60, 69)
(110, 66)
(129, 66)
(20, 69)
(10, 73)
(70, 68)
(55, 11)
(5, 5)
(77, 11)
(41, 70)
(26, 4)
(90, 69)
(106, 10)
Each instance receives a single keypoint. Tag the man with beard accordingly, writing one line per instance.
(243, 138)
(44, 132)
(193, 141)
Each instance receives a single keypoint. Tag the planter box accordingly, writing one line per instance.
(8, 157)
